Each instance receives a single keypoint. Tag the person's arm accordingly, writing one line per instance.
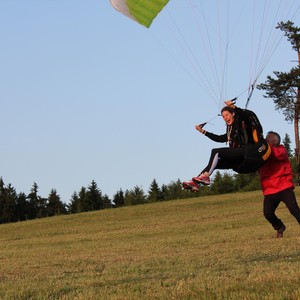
(217, 138)
(214, 137)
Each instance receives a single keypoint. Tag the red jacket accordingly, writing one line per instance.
(276, 174)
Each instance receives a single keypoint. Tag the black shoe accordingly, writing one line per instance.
(280, 232)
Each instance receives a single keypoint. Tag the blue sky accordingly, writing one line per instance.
(88, 94)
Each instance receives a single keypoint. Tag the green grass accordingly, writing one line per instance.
(216, 247)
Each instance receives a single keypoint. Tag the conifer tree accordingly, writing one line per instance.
(22, 207)
(165, 192)
(119, 198)
(82, 202)
(55, 206)
(287, 144)
(74, 205)
(154, 193)
(106, 202)
(216, 185)
(33, 202)
(7, 203)
(93, 197)
(175, 190)
(2, 201)
(135, 196)
(228, 184)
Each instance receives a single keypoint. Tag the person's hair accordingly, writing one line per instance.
(227, 108)
(276, 135)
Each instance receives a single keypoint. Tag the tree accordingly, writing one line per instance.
(154, 193)
(228, 185)
(82, 203)
(106, 202)
(119, 199)
(135, 196)
(165, 192)
(22, 207)
(174, 191)
(284, 89)
(74, 205)
(217, 183)
(2, 201)
(55, 206)
(33, 202)
(287, 144)
(42, 207)
(93, 197)
(7, 203)
(247, 182)
(2, 186)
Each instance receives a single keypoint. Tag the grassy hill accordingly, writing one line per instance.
(216, 247)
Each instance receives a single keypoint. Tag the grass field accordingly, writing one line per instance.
(216, 247)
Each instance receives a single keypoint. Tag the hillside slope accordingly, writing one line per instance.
(216, 247)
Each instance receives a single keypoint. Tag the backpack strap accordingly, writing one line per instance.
(244, 133)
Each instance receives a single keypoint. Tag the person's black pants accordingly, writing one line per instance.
(228, 158)
(271, 203)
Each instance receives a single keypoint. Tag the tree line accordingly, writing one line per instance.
(16, 207)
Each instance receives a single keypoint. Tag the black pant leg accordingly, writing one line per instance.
(270, 204)
(289, 198)
(229, 158)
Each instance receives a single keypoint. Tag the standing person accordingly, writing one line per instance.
(276, 180)
(247, 149)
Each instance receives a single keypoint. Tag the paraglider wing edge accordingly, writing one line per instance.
(143, 12)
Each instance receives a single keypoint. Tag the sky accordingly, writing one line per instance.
(88, 94)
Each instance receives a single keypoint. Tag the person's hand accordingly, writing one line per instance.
(199, 128)
(229, 103)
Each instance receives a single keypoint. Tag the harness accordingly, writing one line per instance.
(259, 150)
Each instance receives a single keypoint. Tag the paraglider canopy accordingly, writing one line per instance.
(141, 11)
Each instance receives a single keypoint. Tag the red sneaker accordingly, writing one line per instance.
(190, 185)
(202, 179)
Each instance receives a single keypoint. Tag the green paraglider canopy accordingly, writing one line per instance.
(142, 11)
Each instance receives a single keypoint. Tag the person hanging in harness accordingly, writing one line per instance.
(247, 150)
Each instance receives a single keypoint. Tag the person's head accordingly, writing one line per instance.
(273, 138)
(227, 113)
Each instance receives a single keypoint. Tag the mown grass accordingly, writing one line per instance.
(217, 247)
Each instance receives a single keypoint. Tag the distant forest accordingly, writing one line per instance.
(15, 207)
